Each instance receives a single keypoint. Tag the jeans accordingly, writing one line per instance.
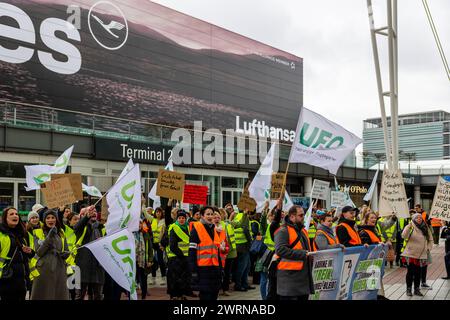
(263, 285)
(243, 268)
(227, 273)
(159, 261)
(141, 278)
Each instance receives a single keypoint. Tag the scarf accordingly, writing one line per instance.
(140, 249)
(422, 227)
(183, 227)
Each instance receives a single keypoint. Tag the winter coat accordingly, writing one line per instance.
(417, 245)
(321, 240)
(17, 284)
(178, 273)
(210, 277)
(91, 270)
(342, 233)
(293, 282)
(51, 264)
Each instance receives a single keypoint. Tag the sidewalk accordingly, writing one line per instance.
(394, 284)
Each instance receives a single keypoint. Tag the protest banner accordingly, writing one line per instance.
(276, 185)
(441, 202)
(338, 199)
(75, 182)
(320, 142)
(393, 198)
(195, 194)
(246, 202)
(58, 193)
(320, 189)
(353, 274)
(170, 184)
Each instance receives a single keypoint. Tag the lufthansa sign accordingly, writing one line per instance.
(119, 150)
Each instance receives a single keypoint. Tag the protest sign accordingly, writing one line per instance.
(245, 202)
(195, 194)
(276, 185)
(58, 193)
(170, 184)
(393, 198)
(338, 199)
(320, 189)
(441, 202)
(75, 182)
(353, 274)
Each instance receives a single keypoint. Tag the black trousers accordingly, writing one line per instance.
(94, 291)
(447, 263)
(141, 278)
(423, 274)
(436, 234)
(413, 274)
(159, 262)
(208, 295)
(227, 273)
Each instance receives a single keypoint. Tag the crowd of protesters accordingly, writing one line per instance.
(205, 252)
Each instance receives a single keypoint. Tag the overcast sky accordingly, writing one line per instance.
(333, 38)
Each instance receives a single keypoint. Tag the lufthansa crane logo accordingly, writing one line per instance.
(108, 25)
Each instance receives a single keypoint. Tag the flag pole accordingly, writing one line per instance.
(283, 190)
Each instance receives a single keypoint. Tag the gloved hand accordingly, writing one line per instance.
(52, 232)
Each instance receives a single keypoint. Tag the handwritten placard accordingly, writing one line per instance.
(246, 202)
(58, 193)
(195, 194)
(276, 185)
(393, 198)
(170, 184)
(338, 199)
(441, 202)
(75, 182)
(320, 189)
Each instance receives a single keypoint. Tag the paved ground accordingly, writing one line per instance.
(394, 284)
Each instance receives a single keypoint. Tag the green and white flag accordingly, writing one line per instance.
(287, 202)
(260, 186)
(127, 168)
(152, 194)
(320, 142)
(38, 174)
(117, 255)
(91, 190)
(124, 202)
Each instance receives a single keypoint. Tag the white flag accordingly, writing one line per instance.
(152, 194)
(91, 190)
(124, 202)
(320, 142)
(127, 169)
(369, 193)
(308, 216)
(287, 202)
(62, 162)
(117, 255)
(260, 186)
(36, 175)
(348, 199)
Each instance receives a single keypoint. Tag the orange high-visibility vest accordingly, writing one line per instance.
(355, 239)
(436, 222)
(424, 216)
(288, 264)
(207, 249)
(331, 241)
(223, 255)
(373, 237)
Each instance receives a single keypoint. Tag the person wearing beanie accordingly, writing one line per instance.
(52, 251)
(33, 221)
(178, 273)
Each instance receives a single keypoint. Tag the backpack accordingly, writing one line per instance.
(272, 275)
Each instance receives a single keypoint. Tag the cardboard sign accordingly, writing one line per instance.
(338, 199)
(170, 184)
(245, 202)
(320, 189)
(276, 185)
(75, 182)
(58, 193)
(195, 194)
(441, 202)
(393, 198)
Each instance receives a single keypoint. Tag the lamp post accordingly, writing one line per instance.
(410, 156)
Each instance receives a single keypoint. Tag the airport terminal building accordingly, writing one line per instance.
(68, 78)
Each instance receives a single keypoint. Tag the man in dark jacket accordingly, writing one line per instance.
(92, 273)
(294, 278)
(446, 234)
